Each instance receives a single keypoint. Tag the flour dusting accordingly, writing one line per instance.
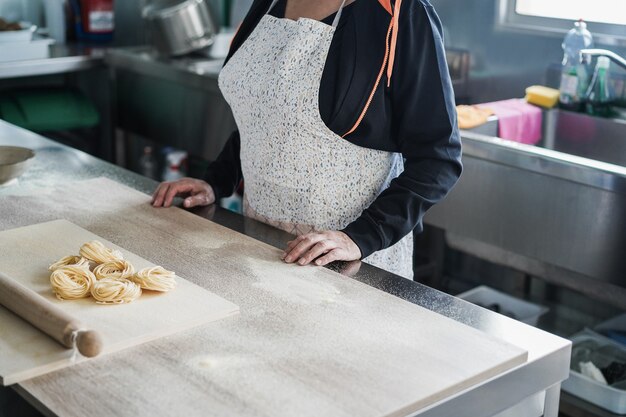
(281, 281)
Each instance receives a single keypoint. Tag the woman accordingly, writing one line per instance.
(347, 127)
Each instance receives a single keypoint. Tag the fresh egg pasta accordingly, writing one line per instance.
(119, 269)
(115, 291)
(97, 252)
(155, 279)
(69, 260)
(72, 282)
(103, 274)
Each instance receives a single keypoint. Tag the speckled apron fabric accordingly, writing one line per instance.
(300, 176)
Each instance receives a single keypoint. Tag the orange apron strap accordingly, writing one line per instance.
(378, 79)
(390, 53)
(395, 16)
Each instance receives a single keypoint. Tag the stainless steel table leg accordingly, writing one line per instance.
(551, 407)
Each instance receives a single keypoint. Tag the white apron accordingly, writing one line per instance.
(299, 175)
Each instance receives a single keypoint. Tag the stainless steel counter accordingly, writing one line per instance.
(63, 59)
(528, 390)
(174, 102)
(553, 163)
(189, 71)
(546, 212)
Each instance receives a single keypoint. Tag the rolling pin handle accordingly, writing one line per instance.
(89, 343)
(70, 334)
(47, 317)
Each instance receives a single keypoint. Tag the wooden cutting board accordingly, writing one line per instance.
(25, 254)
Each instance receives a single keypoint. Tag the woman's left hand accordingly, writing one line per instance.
(334, 246)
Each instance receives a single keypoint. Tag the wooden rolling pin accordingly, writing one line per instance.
(47, 317)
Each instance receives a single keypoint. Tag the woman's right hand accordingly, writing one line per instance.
(196, 193)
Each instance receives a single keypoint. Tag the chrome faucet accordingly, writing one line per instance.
(587, 54)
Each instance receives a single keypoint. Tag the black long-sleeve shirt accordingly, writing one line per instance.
(414, 115)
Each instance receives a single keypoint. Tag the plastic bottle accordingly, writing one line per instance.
(233, 203)
(599, 98)
(147, 163)
(574, 77)
(174, 165)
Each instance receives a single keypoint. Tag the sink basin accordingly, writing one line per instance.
(577, 134)
(586, 136)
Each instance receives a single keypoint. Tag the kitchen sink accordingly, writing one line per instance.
(577, 134)
(556, 210)
(590, 137)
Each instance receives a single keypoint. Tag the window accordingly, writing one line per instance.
(606, 18)
(599, 11)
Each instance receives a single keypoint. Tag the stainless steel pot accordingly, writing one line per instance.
(180, 26)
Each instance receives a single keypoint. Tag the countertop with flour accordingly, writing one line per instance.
(108, 385)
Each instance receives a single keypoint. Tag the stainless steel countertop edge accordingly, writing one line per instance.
(63, 59)
(186, 71)
(545, 161)
(468, 402)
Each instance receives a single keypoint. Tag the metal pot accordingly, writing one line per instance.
(180, 26)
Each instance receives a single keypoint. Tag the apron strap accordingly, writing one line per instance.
(271, 6)
(337, 15)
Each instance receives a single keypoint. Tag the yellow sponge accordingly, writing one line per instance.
(542, 96)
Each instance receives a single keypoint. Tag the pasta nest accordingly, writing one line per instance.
(115, 291)
(97, 252)
(72, 282)
(155, 279)
(71, 260)
(119, 269)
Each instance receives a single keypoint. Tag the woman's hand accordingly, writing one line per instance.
(334, 246)
(197, 192)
